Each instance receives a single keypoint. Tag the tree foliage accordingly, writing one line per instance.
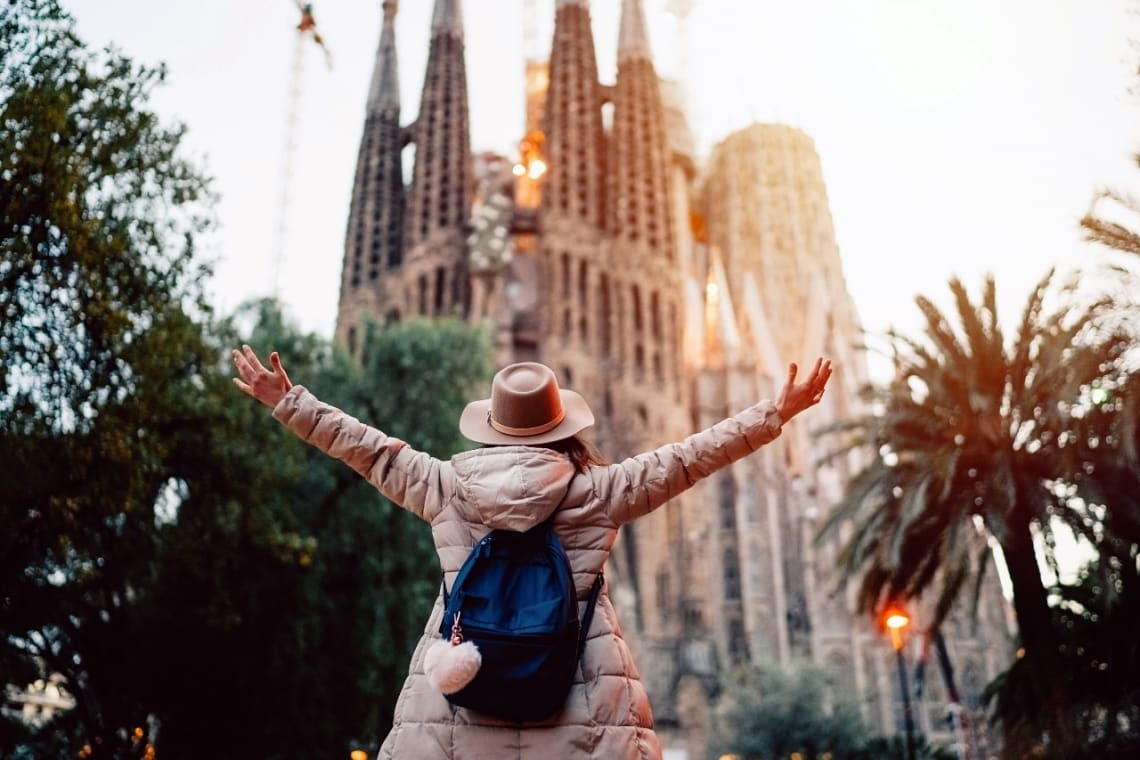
(773, 713)
(1112, 219)
(770, 713)
(978, 439)
(99, 357)
(99, 214)
(297, 593)
(202, 581)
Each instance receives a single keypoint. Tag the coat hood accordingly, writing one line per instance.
(512, 487)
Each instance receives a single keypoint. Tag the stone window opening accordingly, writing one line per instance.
(440, 290)
(731, 575)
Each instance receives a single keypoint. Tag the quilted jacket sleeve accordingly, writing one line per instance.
(640, 484)
(410, 478)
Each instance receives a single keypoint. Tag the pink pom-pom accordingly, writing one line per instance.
(450, 667)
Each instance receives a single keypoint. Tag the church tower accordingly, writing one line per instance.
(405, 249)
(574, 188)
(439, 200)
(374, 242)
(643, 248)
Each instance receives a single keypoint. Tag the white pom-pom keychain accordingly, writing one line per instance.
(452, 664)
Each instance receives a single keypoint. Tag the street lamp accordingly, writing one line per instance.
(895, 619)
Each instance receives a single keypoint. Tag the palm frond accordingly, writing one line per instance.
(859, 500)
(977, 324)
(956, 570)
(942, 335)
(914, 505)
(1110, 234)
(1023, 348)
(983, 558)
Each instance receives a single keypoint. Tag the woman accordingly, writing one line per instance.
(533, 466)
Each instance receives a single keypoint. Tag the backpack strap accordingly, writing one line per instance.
(588, 615)
(480, 548)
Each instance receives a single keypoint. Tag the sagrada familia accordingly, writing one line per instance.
(670, 293)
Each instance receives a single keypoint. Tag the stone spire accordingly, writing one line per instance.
(447, 18)
(385, 90)
(374, 240)
(633, 39)
(439, 200)
(639, 204)
(638, 190)
(574, 140)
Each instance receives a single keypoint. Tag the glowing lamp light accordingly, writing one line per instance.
(537, 168)
(895, 620)
(358, 754)
(518, 170)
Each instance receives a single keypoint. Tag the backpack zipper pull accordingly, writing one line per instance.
(456, 631)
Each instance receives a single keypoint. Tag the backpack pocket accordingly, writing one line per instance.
(491, 615)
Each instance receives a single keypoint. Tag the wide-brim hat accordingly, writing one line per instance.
(526, 407)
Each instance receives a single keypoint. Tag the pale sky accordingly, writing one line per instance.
(957, 137)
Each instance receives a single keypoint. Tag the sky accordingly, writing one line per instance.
(957, 137)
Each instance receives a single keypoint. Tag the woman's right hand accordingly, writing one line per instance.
(795, 397)
(267, 386)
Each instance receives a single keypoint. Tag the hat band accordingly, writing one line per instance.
(536, 430)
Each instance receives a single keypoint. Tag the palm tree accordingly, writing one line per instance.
(1105, 222)
(973, 442)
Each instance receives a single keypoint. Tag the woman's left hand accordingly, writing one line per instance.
(795, 397)
(267, 386)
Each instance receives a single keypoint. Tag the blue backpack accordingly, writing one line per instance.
(514, 599)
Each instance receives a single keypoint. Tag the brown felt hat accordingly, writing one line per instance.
(526, 407)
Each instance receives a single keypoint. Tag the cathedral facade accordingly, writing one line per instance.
(670, 293)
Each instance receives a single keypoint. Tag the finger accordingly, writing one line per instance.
(242, 365)
(820, 374)
(792, 369)
(244, 388)
(253, 360)
(275, 360)
(826, 375)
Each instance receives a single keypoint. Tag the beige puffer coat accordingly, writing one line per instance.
(607, 713)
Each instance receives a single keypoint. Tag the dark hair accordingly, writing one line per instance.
(581, 453)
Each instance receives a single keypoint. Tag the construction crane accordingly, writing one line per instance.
(306, 30)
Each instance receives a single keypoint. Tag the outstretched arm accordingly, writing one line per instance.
(642, 483)
(796, 397)
(267, 386)
(408, 477)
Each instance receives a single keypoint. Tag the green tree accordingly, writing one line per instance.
(769, 712)
(976, 438)
(293, 594)
(100, 359)
(188, 567)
